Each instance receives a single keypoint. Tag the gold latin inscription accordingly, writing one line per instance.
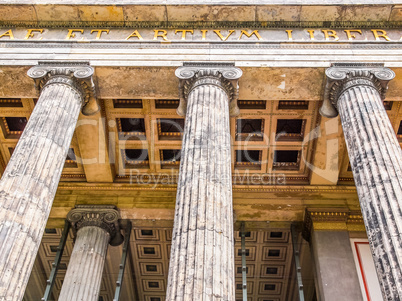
(8, 33)
(135, 34)
(30, 33)
(71, 33)
(245, 32)
(161, 35)
(218, 33)
(289, 32)
(329, 33)
(183, 32)
(230, 35)
(382, 35)
(311, 33)
(204, 33)
(99, 32)
(350, 35)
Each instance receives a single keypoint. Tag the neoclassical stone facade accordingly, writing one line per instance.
(255, 149)
(202, 256)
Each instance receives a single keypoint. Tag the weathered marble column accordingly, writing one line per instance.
(356, 92)
(96, 227)
(202, 253)
(30, 180)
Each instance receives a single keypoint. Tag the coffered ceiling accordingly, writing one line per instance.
(269, 258)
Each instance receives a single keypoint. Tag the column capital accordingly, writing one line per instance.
(75, 74)
(224, 75)
(342, 76)
(103, 216)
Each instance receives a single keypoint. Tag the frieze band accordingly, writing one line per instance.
(164, 34)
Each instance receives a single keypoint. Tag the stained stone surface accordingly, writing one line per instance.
(30, 180)
(333, 257)
(376, 161)
(202, 255)
(216, 10)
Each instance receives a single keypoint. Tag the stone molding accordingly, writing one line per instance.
(104, 216)
(223, 75)
(342, 76)
(77, 75)
(190, 45)
(201, 24)
(333, 219)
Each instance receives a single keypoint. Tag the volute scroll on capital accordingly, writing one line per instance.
(104, 216)
(75, 74)
(224, 75)
(342, 76)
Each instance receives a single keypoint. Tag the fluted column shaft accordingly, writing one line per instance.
(84, 274)
(202, 253)
(95, 227)
(30, 180)
(376, 161)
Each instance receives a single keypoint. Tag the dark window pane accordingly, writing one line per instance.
(276, 234)
(149, 250)
(137, 154)
(16, 123)
(286, 156)
(151, 268)
(147, 232)
(272, 271)
(153, 284)
(274, 253)
(269, 287)
(132, 125)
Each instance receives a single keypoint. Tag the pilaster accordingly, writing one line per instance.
(327, 232)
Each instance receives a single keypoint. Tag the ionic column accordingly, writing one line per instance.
(30, 180)
(356, 92)
(96, 227)
(202, 254)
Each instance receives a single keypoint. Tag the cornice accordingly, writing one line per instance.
(256, 188)
(96, 44)
(103, 216)
(77, 75)
(211, 2)
(202, 24)
(331, 219)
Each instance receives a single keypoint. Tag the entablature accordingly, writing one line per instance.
(124, 12)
